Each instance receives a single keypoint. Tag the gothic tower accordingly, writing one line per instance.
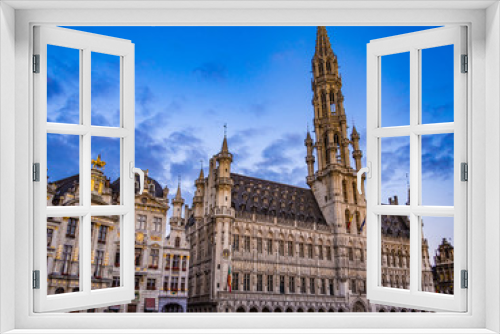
(224, 216)
(333, 178)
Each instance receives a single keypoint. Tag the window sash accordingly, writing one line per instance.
(86, 43)
(412, 43)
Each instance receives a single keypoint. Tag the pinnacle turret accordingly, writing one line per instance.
(354, 133)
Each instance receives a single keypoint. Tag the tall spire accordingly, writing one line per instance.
(323, 46)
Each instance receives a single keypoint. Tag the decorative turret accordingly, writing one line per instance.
(178, 202)
(198, 199)
(224, 182)
(356, 154)
(309, 158)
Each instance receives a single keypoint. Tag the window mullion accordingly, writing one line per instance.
(414, 168)
(85, 172)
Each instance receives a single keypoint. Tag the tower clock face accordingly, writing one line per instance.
(225, 253)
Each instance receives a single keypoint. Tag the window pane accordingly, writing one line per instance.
(63, 169)
(106, 252)
(395, 170)
(63, 255)
(105, 90)
(437, 169)
(437, 261)
(395, 89)
(105, 166)
(395, 252)
(437, 84)
(63, 84)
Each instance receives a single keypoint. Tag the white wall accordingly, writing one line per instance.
(7, 157)
(492, 165)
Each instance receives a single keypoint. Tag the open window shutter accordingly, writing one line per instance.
(84, 271)
(415, 295)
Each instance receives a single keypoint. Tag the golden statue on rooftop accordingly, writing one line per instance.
(98, 163)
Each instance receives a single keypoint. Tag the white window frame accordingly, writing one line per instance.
(483, 20)
(85, 43)
(413, 43)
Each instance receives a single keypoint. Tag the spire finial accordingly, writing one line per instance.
(202, 176)
(179, 181)
(224, 142)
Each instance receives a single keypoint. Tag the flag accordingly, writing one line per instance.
(229, 278)
(361, 228)
(350, 221)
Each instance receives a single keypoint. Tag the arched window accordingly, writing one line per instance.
(347, 223)
(177, 242)
(328, 67)
(320, 66)
(323, 101)
(351, 254)
(355, 194)
(344, 191)
(332, 102)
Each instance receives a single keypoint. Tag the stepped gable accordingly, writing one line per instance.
(250, 194)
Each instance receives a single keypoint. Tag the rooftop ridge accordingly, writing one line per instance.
(270, 181)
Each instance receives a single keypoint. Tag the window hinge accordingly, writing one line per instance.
(464, 171)
(36, 172)
(465, 279)
(465, 64)
(36, 63)
(36, 279)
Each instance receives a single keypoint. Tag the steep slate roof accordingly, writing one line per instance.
(158, 188)
(263, 196)
(63, 185)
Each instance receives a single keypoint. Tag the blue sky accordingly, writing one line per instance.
(192, 80)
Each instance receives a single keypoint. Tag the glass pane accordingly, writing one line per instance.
(63, 84)
(62, 255)
(395, 170)
(437, 169)
(106, 255)
(437, 254)
(105, 90)
(105, 171)
(395, 89)
(63, 169)
(437, 84)
(395, 252)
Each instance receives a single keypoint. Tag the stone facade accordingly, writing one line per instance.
(289, 249)
(154, 253)
(443, 270)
